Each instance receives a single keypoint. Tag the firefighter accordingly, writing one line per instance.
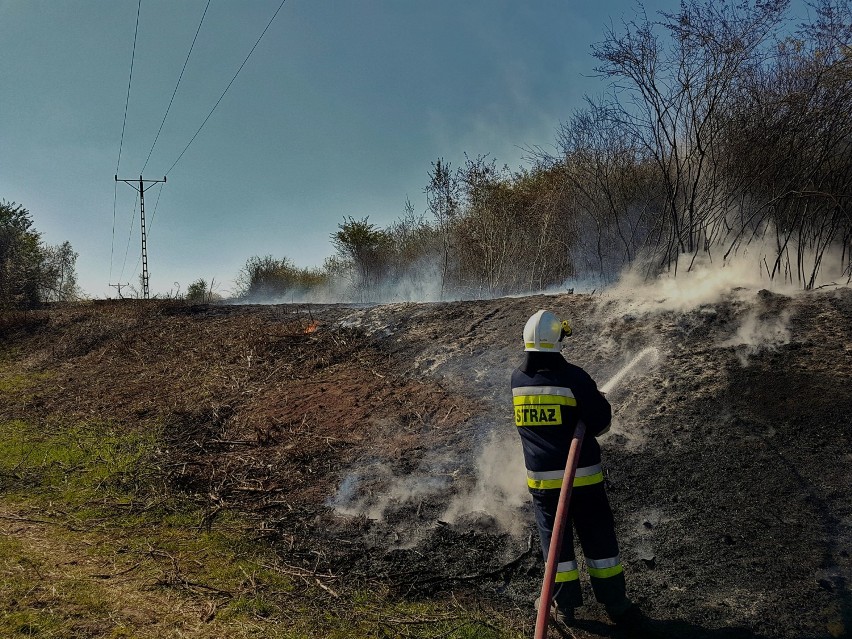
(550, 395)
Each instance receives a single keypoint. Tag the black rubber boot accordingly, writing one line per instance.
(634, 623)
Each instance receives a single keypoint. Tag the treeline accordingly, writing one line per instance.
(487, 231)
(725, 128)
(32, 272)
(736, 132)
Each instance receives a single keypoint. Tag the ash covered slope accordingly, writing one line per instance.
(728, 464)
(382, 444)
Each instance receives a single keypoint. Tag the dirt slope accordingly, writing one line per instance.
(380, 445)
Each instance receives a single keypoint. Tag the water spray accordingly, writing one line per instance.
(615, 380)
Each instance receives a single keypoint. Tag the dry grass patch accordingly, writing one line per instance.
(92, 544)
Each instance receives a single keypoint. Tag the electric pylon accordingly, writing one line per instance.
(141, 189)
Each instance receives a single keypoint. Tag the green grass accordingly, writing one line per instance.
(90, 548)
(73, 465)
(13, 383)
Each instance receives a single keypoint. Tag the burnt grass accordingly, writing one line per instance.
(728, 465)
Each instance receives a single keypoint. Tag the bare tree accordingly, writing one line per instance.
(789, 138)
(442, 199)
(615, 191)
(669, 95)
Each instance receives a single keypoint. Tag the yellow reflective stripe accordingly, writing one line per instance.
(529, 344)
(603, 573)
(570, 575)
(544, 483)
(539, 415)
(546, 479)
(567, 571)
(557, 483)
(588, 480)
(539, 409)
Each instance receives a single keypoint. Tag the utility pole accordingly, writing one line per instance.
(141, 189)
(118, 286)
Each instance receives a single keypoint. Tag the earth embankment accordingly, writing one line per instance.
(376, 443)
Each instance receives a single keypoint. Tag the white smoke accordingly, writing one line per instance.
(420, 282)
(692, 284)
(702, 282)
(373, 490)
(500, 489)
(495, 491)
(759, 332)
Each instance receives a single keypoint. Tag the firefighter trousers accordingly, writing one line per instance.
(590, 513)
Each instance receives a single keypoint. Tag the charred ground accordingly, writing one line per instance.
(728, 464)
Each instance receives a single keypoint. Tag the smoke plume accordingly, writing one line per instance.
(500, 489)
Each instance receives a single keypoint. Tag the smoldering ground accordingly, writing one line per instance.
(729, 483)
(619, 341)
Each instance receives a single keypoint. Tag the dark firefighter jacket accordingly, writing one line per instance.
(549, 396)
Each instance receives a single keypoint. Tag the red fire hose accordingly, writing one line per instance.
(558, 532)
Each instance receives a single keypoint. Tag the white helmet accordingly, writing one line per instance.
(543, 332)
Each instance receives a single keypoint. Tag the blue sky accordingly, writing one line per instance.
(339, 112)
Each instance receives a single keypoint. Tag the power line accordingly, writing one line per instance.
(157, 137)
(121, 143)
(156, 206)
(227, 87)
(168, 108)
(129, 80)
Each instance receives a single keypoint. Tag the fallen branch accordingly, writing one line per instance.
(326, 588)
(252, 489)
(232, 442)
(116, 574)
(31, 520)
(297, 571)
(173, 581)
(422, 620)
